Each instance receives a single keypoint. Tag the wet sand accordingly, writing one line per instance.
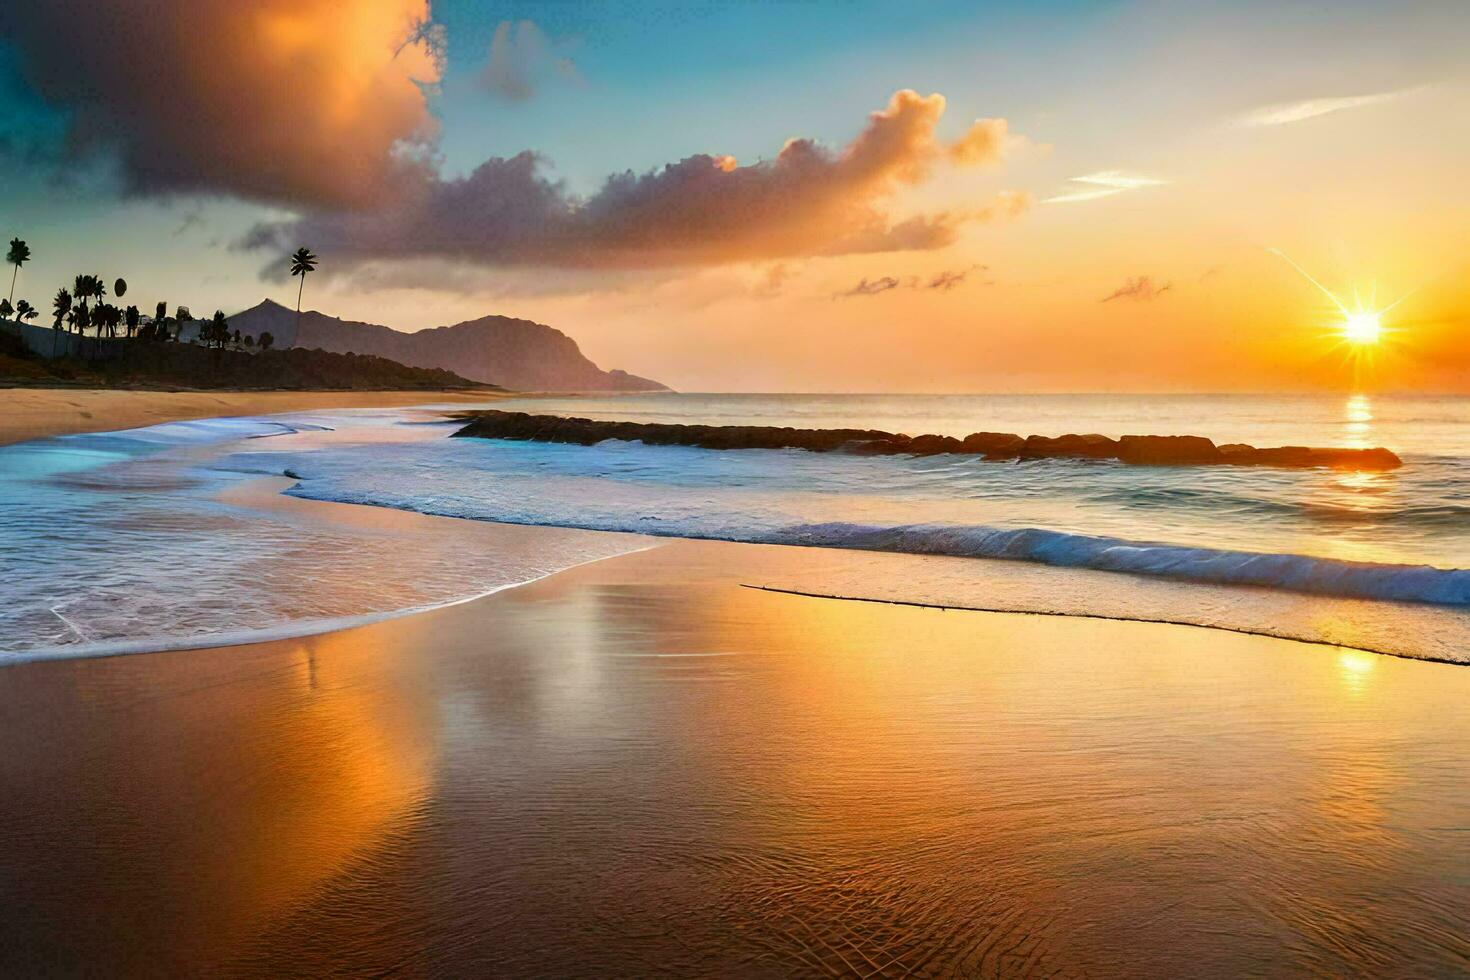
(31, 413)
(638, 767)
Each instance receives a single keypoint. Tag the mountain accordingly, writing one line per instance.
(501, 350)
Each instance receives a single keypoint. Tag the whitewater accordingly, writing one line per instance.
(135, 540)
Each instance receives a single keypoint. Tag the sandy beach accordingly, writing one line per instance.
(31, 413)
(639, 766)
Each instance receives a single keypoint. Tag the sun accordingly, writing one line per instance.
(1362, 328)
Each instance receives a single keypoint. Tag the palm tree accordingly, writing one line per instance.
(5, 309)
(25, 311)
(19, 255)
(111, 317)
(81, 317)
(302, 262)
(219, 329)
(60, 306)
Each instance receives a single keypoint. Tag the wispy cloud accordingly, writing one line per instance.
(521, 56)
(871, 287)
(948, 279)
(1289, 112)
(1104, 183)
(943, 281)
(1140, 289)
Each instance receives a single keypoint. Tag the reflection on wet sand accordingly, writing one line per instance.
(639, 767)
(186, 801)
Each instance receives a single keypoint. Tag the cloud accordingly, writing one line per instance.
(987, 142)
(521, 56)
(1106, 184)
(871, 287)
(947, 280)
(1139, 289)
(703, 210)
(944, 281)
(301, 102)
(1290, 112)
(191, 220)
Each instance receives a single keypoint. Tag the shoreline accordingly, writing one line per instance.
(36, 413)
(252, 494)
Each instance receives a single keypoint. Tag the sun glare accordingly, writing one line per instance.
(1362, 328)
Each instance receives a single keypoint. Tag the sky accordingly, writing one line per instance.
(782, 196)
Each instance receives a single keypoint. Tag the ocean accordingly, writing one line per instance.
(141, 539)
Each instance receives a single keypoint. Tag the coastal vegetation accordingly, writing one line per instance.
(95, 341)
(83, 310)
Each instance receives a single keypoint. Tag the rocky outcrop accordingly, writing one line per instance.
(1136, 450)
(513, 353)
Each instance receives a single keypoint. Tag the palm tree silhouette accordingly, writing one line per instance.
(81, 316)
(5, 309)
(25, 311)
(60, 306)
(19, 255)
(302, 262)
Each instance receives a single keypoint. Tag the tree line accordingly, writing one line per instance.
(84, 307)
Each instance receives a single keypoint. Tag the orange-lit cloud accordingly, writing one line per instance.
(705, 209)
(1139, 289)
(985, 143)
(308, 102)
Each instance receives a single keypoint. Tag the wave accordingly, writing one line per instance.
(1290, 572)
(1429, 517)
(287, 630)
(1296, 573)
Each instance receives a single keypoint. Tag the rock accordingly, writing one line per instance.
(880, 447)
(994, 445)
(1146, 450)
(933, 445)
(1168, 450)
(1091, 446)
(1305, 456)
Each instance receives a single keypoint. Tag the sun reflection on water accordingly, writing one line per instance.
(1358, 421)
(1355, 668)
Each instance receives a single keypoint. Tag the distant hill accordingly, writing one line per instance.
(505, 351)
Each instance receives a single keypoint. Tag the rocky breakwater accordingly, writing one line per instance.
(1135, 450)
